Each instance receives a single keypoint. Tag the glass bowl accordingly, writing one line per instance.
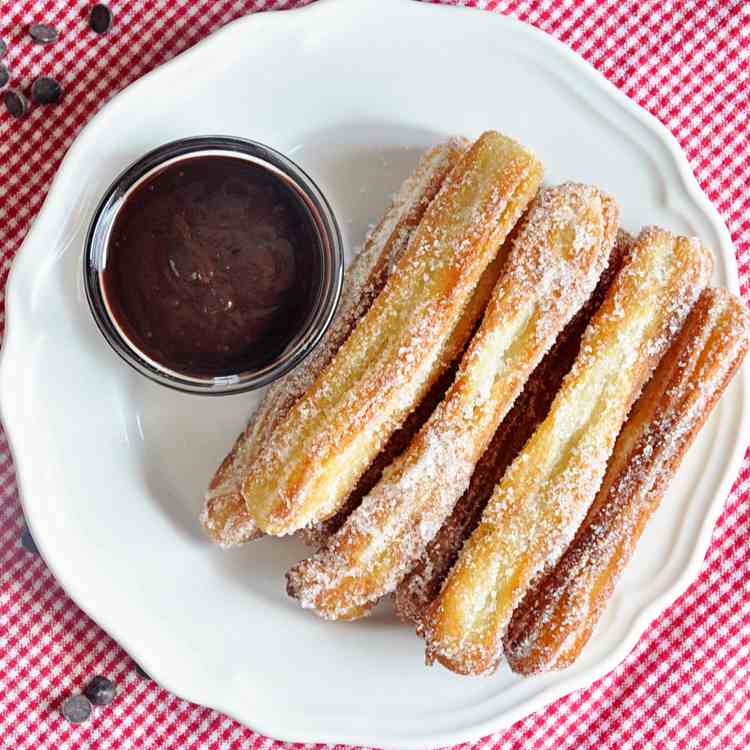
(328, 246)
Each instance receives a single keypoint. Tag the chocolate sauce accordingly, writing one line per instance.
(211, 266)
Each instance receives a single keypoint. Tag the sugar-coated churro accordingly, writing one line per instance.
(552, 269)
(545, 493)
(422, 584)
(313, 459)
(225, 516)
(556, 617)
(317, 535)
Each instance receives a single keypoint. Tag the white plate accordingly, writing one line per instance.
(112, 468)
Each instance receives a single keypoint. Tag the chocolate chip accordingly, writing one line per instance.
(100, 691)
(76, 709)
(46, 90)
(4, 75)
(16, 103)
(27, 541)
(42, 33)
(142, 672)
(3, 47)
(100, 19)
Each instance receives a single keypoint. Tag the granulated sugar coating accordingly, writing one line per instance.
(557, 615)
(552, 269)
(546, 492)
(225, 516)
(423, 582)
(313, 460)
(317, 535)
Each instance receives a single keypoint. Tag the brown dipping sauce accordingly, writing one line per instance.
(211, 266)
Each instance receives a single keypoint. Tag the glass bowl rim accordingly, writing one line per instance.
(329, 246)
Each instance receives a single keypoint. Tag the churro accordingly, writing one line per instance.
(225, 516)
(317, 535)
(552, 269)
(556, 617)
(422, 584)
(313, 459)
(547, 490)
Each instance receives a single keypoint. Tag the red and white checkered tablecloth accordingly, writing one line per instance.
(687, 682)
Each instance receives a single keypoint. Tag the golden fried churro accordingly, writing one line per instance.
(317, 534)
(547, 490)
(422, 584)
(556, 617)
(314, 458)
(225, 516)
(551, 271)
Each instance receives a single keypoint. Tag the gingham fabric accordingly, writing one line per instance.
(687, 682)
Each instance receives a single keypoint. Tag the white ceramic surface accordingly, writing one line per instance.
(112, 467)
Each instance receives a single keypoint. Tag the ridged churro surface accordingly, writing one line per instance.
(551, 271)
(556, 617)
(422, 584)
(313, 459)
(545, 493)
